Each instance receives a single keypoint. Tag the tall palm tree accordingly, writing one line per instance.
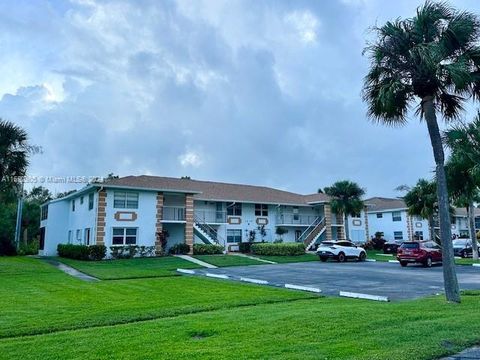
(464, 188)
(346, 199)
(431, 60)
(13, 153)
(421, 200)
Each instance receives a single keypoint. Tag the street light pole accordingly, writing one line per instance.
(18, 226)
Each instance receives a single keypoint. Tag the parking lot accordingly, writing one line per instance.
(374, 278)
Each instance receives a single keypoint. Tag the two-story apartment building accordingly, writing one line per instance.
(390, 217)
(133, 210)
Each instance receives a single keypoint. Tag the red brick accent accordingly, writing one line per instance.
(189, 221)
(158, 224)
(367, 234)
(328, 221)
(101, 213)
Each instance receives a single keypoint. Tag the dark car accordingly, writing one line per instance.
(391, 247)
(463, 247)
(425, 253)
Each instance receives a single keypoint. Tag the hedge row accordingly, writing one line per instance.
(207, 249)
(281, 249)
(82, 252)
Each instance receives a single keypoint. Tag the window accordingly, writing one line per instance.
(73, 205)
(418, 235)
(234, 209)
(87, 236)
(81, 200)
(234, 236)
(90, 201)
(379, 215)
(69, 236)
(124, 236)
(78, 236)
(296, 217)
(261, 210)
(44, 212)
(477, 223)
(125, 200)
(356, 216)
(398, 235)
(396, 216)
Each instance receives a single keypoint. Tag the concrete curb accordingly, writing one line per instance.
(186, 271)
(217, 276)
(363, 296)
(303, 288)
(370, 260)
(476, 265)
(393, 261)
(254, 281)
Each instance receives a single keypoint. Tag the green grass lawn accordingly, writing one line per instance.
(289, 259)
(379, 255)
(36, 298)
(468, 261)
(195, 318)
(227, 260)
(131, 268)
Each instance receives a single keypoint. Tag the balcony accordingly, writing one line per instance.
(295, 219)
(173, 213)
(211, 216)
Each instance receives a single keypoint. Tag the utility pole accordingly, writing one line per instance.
(18, 227)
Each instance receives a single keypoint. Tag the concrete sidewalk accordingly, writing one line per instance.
(71, 271)
(469, 354)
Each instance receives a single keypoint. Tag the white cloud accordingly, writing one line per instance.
(305, 25)
(190, 159)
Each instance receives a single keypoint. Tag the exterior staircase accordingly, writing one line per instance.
(312, 233)
(205, 232)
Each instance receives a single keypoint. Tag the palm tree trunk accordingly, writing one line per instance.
(473, 234)
(345, 223)
(452, 291)
(431, 228)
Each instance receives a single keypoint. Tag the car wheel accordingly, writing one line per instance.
(323, 259)
(428, 262)
(362, 256)
(341, 257)
(403, 263)
(464, 254)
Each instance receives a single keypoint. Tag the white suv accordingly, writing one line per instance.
(340, 251)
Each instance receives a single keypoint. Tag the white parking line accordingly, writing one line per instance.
(370, 260)
(186, 271)
(476, 265)
(393, 261)
(304, 288)
(255, 281)
(363, 296)
(218, 276)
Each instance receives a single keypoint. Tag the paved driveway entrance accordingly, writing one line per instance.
(383, 279)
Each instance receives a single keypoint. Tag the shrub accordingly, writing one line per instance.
(97, 252)
(179, 249)
(146, 251)
(282, 249)
(207, 249)
(7, 248)
(31, 248)
(245, 247)
(71, 251)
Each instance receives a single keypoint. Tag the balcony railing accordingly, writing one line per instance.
(211, 216)
(294, 219)
(173, 213)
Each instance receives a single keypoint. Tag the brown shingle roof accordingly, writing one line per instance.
(382, 204)
(209, 190)
(463, 212)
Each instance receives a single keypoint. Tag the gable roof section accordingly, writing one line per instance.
(382, 204)
(217, 191)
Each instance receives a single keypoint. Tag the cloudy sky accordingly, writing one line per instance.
(259, 92)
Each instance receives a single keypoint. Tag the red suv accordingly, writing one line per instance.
(425, 253)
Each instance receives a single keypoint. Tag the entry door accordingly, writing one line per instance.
(42, 238)
(298, 233)
(219, 213)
